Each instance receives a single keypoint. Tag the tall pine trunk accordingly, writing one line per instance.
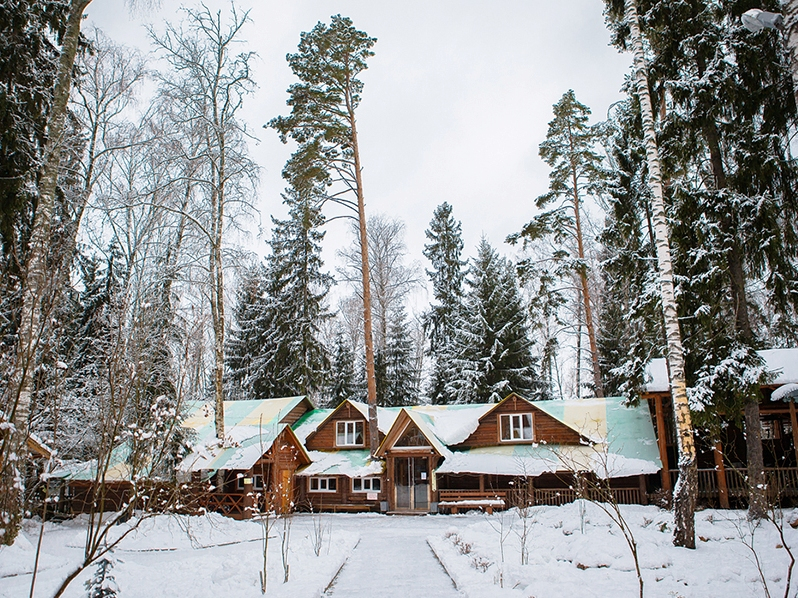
(35, 287)
(684, 495)
(368, 336)
(598, 387)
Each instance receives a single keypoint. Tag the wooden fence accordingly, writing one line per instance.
(782, 482)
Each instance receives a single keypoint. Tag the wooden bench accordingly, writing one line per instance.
(455, 500)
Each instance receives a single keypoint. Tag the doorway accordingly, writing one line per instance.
(411, 483)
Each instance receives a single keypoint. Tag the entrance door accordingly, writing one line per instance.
(411, 482)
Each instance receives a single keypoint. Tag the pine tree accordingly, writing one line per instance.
(443, 252)
(492, 348)
(576, 172)
(323, 123)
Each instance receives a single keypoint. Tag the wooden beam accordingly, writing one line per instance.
(482, 483)
(720, 472)
(662, 442)
(794, 421)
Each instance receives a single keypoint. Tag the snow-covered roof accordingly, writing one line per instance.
(783, 363)
(119, 469)
(352, 463)
(249, 431)
(625, 444)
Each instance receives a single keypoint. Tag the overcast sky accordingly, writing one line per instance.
(457, 99)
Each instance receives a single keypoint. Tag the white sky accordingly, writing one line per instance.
(456, 101)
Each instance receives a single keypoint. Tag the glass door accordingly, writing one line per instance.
(411, 483)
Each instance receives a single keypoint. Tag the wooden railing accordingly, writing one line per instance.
(542, 496)
(782, 482)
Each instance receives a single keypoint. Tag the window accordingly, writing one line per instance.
(412, 437)
(516, 426)
(770, 431)
(349, 433)
(323, 484)
(257, 482)
(366, 484)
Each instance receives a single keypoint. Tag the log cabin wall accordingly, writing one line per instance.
(297, 412)
(546, 428)
(344, 496)
(323, 439)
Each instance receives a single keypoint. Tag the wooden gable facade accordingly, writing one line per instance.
(497, 426)
(335, 484)
(411, 453)
(345, 428)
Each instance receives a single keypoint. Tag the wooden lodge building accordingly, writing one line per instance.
(284, 454)
(722, 463)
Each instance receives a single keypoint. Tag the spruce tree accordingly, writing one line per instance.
(492, 349)
(447, 273)
(397, 379)
(277, 350)
(342, 378)
(726, 106)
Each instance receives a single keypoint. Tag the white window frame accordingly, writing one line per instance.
(322, 484)
(515, 423)
(367, 484)
(349, 433)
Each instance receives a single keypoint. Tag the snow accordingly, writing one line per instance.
(352, 463)
(783, 363)
(787, 392)
(573, 550)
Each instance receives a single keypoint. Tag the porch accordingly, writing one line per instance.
(722, 485)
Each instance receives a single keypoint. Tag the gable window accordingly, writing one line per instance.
(516, 426)
(349, 433)
(323, 484)
(412, 437)
(366, 484)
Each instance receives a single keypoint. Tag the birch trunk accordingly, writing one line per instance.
(34, 288)
(685, 492)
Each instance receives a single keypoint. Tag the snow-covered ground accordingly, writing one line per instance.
(573, 550)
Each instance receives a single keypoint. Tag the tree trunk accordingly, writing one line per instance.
(598, 387)
(34, 288)
(684, 495)
(757, 491)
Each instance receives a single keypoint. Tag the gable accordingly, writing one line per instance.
(545, 428)
(324, 437)
(411, 431)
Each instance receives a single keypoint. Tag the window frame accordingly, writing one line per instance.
(345, 434)
(370, 480)
(323, 481)
(257, 481)
(516, 418)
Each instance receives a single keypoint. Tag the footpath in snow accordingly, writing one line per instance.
(393, 559)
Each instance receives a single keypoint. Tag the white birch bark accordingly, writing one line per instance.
(684, 494)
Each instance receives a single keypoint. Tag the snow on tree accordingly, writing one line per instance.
(397, 376)
(491, 348)
(102, 584)
(443, 251)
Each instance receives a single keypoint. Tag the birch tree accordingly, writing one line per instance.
(207, 84)
(35, 286)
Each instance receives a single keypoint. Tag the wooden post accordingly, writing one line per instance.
(249, 500)
(720, 472)
(482, 483)
(662, 442)
(794, 421)
(643, 493)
